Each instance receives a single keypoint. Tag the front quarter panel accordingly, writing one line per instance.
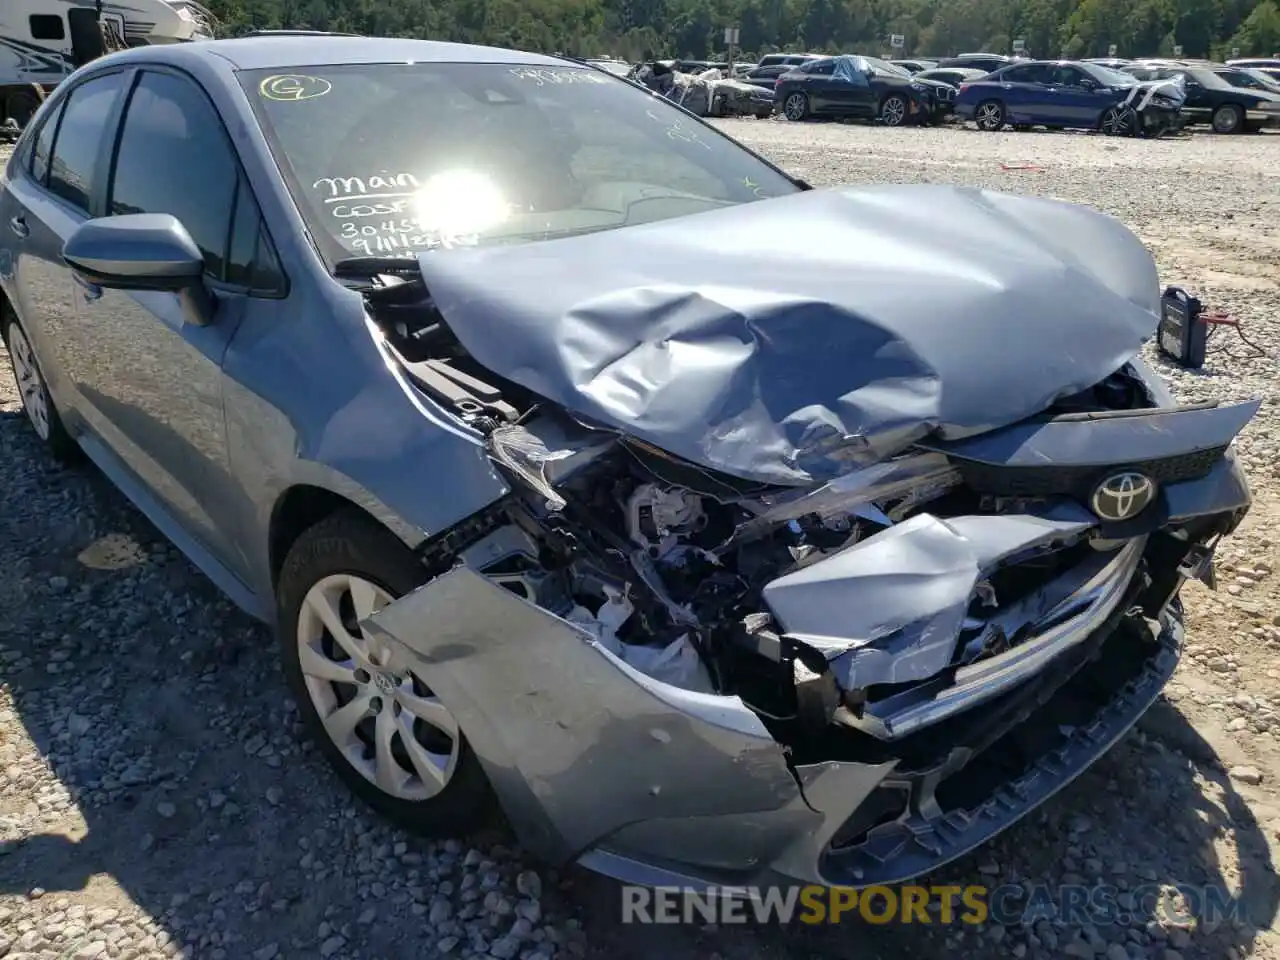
(312, 399)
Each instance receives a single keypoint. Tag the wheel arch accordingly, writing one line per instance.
(296, 510)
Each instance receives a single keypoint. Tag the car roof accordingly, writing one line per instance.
(290, 51)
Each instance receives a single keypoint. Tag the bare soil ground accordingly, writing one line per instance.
(155, 798)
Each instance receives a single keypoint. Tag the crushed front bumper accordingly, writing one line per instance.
(596, 762)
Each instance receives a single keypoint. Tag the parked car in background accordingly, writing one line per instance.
(1268, 65)
(773, 65)
(1050, 93)
(914, 66)
(1115, 63)
(977, 61)
(786, 59)
(1248, 78)
(619, 68)
(1212, 100)
(951, 76)
(858, 87)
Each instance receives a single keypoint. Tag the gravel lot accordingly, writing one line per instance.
(156, 800)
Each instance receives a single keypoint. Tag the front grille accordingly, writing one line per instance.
(1078, 482)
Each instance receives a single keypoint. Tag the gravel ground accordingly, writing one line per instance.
(156, 799)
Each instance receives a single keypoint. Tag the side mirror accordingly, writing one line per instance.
(142, 251)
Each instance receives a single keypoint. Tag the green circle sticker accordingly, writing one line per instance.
(294, 86)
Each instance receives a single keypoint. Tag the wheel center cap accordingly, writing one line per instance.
(385, 683)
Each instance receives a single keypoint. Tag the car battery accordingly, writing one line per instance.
(1183, 332)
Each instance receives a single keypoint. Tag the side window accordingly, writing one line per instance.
(43, 146)
(1068, 77)
(1031, 73)
(251, 259)
(79, 138)
(47, 26)
(173, 157)
(242, 247)
(822, 68)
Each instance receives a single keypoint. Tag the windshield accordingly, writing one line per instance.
(1112, 78)
(389, 159)
(885, 67)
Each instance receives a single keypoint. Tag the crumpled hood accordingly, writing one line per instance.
(785, 340)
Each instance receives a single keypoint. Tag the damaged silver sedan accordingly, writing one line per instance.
(702, 563)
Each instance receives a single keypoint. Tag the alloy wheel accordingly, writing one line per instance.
(1116, 122)
(893, 111)
(35, 400)
(989, 116)
(382, 718)
(795, 106)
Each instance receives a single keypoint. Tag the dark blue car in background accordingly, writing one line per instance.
(1044, 93)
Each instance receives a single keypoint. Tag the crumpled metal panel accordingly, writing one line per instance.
(889, 609)
(576, 743)
(888, 313)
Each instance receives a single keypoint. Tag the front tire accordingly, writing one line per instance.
(37, 403)
(893, 110)
(796, 106)
(989, 116)
(1228, 118)
(1119, 121)
(390, 741)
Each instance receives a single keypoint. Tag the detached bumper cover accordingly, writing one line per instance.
(596, 762)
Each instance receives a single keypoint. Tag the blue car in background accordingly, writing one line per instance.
(1045, 93)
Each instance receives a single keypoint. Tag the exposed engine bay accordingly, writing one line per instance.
(684, 573)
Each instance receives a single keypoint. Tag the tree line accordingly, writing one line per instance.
(694, 29)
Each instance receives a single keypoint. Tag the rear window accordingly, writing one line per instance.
(387, 159)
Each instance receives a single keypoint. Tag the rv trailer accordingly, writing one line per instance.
(43, 41)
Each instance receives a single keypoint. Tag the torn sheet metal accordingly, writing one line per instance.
(890, 609)
(900, 310)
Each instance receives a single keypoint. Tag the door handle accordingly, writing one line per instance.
(90, 289)
(18, 225)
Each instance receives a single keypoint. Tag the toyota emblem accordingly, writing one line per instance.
(1122, 496)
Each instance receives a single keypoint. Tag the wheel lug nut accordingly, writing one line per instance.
(375, 705)
(362, 676)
